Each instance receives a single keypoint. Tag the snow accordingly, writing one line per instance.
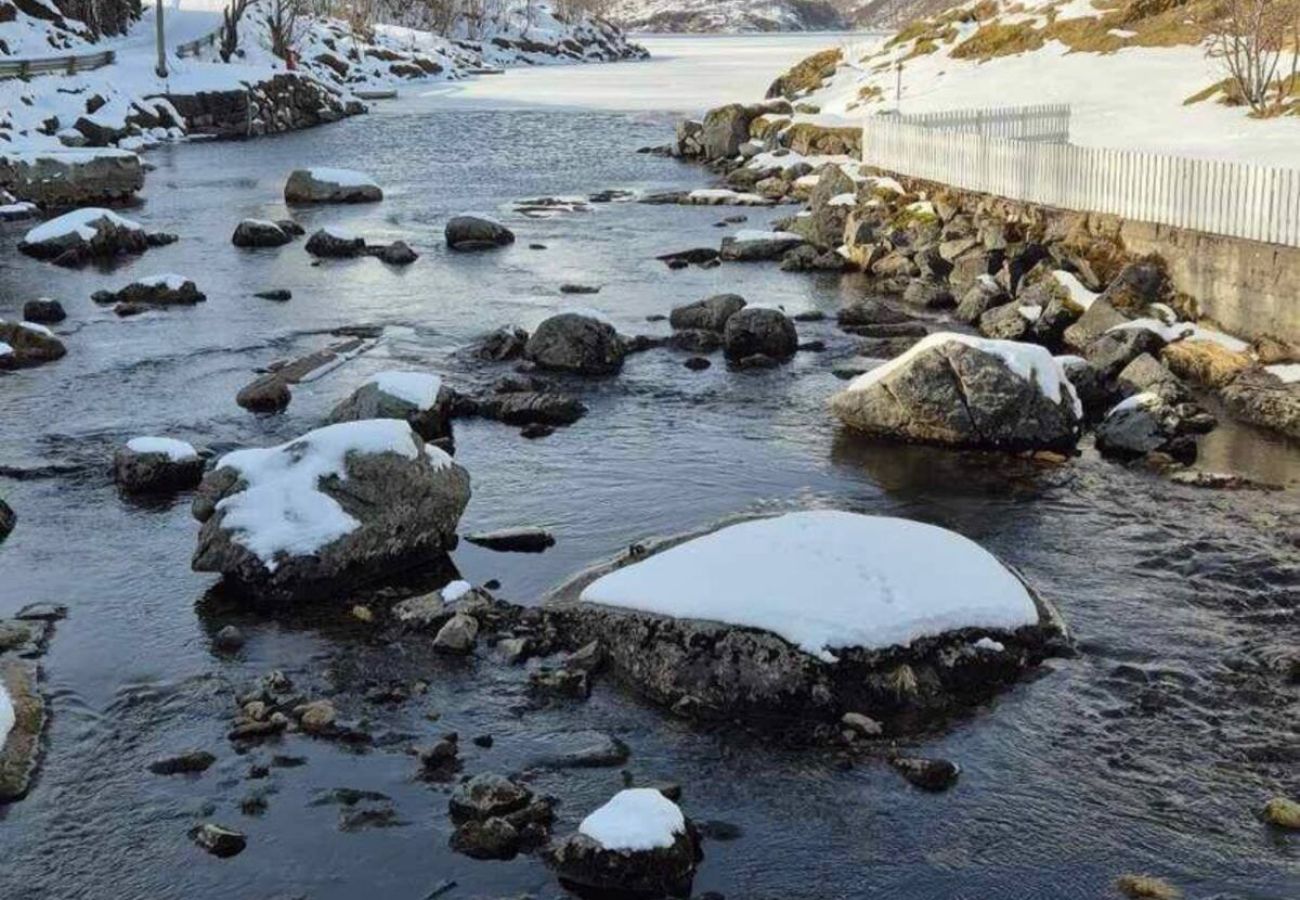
(1169, 333)
(849, 199)
(36, 329)
(987, 643)
(170, 281)
(420, 389)
(1030, 313)
(1226, 341)
(635, 820)
(826, 580)
(455, 590)
(1030, 361)
(173, 449)
(754, 234)
(1144, 400)
(1289, 373)
(724, 196)
(1081, 296)
(7, 716)
(6, 349)
(81, 222)
(339, 233)
(281, 510)
(885, 183)
(342, 177)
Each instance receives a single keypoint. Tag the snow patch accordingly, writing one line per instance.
(455, 590)
(342, 177)
(81, 222)
(1081, 296)
(1289, 373)
(992, 646)
(168, 280)
(7, 715)
(173, 449)
(636, 820)
(6, 349)
(420, 389)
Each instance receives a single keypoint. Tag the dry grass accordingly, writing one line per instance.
(807, 75)
(996, 39)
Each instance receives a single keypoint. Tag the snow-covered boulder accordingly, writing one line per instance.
(709, 314)
(476, 233)
(333, 242)
(155, 290)
(415, 397)
(84, 234)
(22, 719)
(758, 246)
(328, 185)
(577, 342)
(148, 464)
(757, 330)
(638, 843)
(260, 233)
(809, 615)
(965, 391)
(25, 344)
(341, 502)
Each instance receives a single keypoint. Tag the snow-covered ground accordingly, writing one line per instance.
(826, 580)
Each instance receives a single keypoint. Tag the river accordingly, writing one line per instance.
(1152, 751)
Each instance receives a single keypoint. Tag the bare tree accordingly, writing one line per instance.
(284, 22)
(1253, 41)
(230, 17)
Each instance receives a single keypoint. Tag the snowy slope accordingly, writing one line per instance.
(727, 15)
(1131, 77)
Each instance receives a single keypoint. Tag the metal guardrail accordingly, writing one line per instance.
(60, 65)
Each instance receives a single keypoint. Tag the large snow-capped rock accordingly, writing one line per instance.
(639, 843)
(730, 16)
(343, 501)
(415, 397)
(24, 344)
(965, 391)
(84, 234)
(810, 615)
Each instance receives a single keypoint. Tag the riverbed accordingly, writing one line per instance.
(1152, 751)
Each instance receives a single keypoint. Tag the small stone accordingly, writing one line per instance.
(458, 635)
(190, 761)
(697, 363)
(860, 724)
(44, 311)
(316, 717)
(483, 740)
(363, 613)
(492, 838)
(927, 774)
(488, 795)
(228, 639)
(1140, 887)
(1283, 813)
(218, 840)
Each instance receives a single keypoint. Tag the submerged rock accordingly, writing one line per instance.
(155, 290)
(476, 233)
(578, 343)
(709, 627)
(967, 392)
(147, 464)
(342, 502)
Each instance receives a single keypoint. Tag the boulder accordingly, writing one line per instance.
(259, 233)
(1142, 424)
(325, 185)
(758, 246)
(476, 233)
(870, 312)
(457, 635)
(156, 464)
(637, 844)
(576, 342)
(1099, 318)
(8, 519)
(85, 234)
(927, 293)
(218, 840)
(709, 314)
(417, 398)
(1137, 286)
(267, 394)
(155, 290)
(724, 129)
(487, 795)
(967, 392)
(492, 838)
(44, 311)
(983, 295)
(26, 344)
(398, 253)
(1008, 322)
(1145, 374)
(20, 735)
(758, 330)
(1115, 349)
(532, 408)
(343, 502)
(1261, 398)
(830, 204)
(1206, 363)
(514, 540)
(1093, 391)
(335, 243)
(506, 343)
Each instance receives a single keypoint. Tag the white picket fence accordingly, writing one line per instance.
(1240, 200)
(1048, 124)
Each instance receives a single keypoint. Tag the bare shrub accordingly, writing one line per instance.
(1258, 43)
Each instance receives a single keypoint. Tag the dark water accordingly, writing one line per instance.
(1152, 751)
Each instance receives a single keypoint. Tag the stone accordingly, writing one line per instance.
(955, 392)
(927, 774)
(8, 519)
(267, 394)
(140, 472)
(1099, 318)
(229, 639)
(758, 330)
(1146, 887)
(983, 295)
(861, 724)
(330, 186)
(458, 635)
(466, 233)
(259, 233)
(502, 345)
(760, 246)
(1145, 373)
(1005, 323)
(1261, 398)
(316, 717)
(491, 838)
(724, 130)
(487, 795)
(189, 762)
(1114, 350)
(398, 253)
(870, 312)
(372, 401)
(582, 861)
(1206, 363)
(1282, 812)
(28, 345)
(577, 343)
(928, 294)
(1138, 285)
(328, 243)
(218, 840)
(20, 752)
(709, 314)
(697, 363)
(44, 311)
(514, 540)
(157, 290)
(1144, 424)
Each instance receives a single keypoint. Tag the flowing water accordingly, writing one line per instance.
(1153, 750)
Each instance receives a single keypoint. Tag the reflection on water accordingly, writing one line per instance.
(1149, 752)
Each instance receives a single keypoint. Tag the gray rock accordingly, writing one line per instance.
(928, 294)
(259, 233)
(514, 540)
(269, 393)
(983, 295)
(757, 330)
(313, 186)
(398, 253)
(927, 774)
(157, 291)
(1099, 318)
(20, 752)
(8, 519)
(328, 244)
(766, 247)
(1114, 350)
(583, 861)
(724, 129)
(577, 343)
(475, 233)
(826, 224)
(1142, 424)
(532, 408)
(502, 345)
(458, 635)
(1146, 374)
(695, 340)
(491, 838)
(958, 395)
(1261, 398)
(425, 613)
(370, 401)
(218, 840)
(709, 314)
(137, 472)
(1004, 323)
(487, 795)
(869, 312)
(28, 346)
(188, 762)
(111, 236)
(44, 311)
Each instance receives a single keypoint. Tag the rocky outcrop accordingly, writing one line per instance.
(55, 178)
(323, 185)
(577, 343)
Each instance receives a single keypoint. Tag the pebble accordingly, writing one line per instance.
(218, 840)
(1283, 813)
(228, 639)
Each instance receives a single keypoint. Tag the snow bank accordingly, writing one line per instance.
(826, 580)
(1030, 361)
(636, 820)
(420, 389)
(173, 449)
(81, 222)
(1081, 296)
(281, 510)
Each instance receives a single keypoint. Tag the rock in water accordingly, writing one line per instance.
(335, 243)
(638, 843)
(476, 233)
(709, 314)
(342, 502)
(758, 246)
(8, 519)
(155, 290)
(927, 774)
(1283, 813)
(218, 840)
(25, 344)
(149, 464)
(711, 626)
(267, 394)
(1142, 424)
(259, 233)
(487, 795)
(22, 719)
(189, 762)
(458, 635)
(415, 397)
(44, 311)
(325, 185)
(84, 234)
(756, 330)
(966, 392)
(514, 540)
(578, 343)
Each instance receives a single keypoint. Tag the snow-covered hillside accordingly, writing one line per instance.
(1135, 72)
(727, 15)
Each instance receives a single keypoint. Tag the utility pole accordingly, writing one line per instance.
(161, 69)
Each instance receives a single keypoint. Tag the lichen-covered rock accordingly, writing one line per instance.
(966, 392)
(709, 314)
(344, 502)
(325, 185)
(506, 343)
(758, 330)
(25, 344)
(578, 343)
(476, 233)
(1260, 397)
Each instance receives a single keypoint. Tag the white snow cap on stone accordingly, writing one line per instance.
(6, 349)
(281, 510)
(826, 580)
(1081, 296)
(1144, 400)
(79, 221)
(175, 450)
(420, 389)
(637, 820)
(455, 590)
(1289, 373)
(7, 716)
(753, 234)
(342, 177)
(1030, 361)
(168, 280)
(35, 328)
